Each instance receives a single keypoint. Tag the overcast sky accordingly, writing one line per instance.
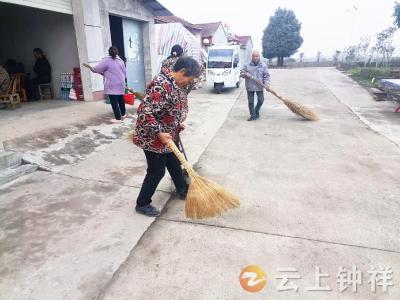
(327, 25)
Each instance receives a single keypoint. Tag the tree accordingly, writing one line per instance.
(282, 36)
(336, 57)
(301, 57)
(372, 51)
(350, 54)
(396, 14)
(362, 48)
(383, 46)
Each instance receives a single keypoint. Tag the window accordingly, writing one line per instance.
(220, 58)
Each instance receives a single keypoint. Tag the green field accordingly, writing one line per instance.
(364, 76)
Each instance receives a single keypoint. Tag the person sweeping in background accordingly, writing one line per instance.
(169, 62)
(257, 69)
(159, 120)
(114, 72)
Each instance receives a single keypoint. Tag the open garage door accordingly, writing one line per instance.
(24, 28)
(62, 6)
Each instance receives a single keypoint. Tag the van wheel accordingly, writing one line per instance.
(238, 84)
(218, 88)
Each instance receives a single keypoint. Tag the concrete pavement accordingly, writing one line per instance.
(66, 232)
(322, 194)
(44, 115)
(379, 116)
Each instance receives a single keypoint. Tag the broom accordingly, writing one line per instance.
(137, 94)
(295, 107)
(205, 199)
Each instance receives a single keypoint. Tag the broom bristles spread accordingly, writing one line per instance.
(296, 108)
(301, 110)
(205, 199)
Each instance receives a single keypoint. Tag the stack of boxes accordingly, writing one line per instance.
(66, 85)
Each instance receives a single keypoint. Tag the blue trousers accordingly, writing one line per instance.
(255, 111)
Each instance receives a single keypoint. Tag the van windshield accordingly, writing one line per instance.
(220, 58)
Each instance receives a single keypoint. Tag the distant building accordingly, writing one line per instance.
(194, 29)
(246, 48)
(213, 34)
(170, 34)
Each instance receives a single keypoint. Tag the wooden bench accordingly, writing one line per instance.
(378, 94)
(390, 87)
(20, 85)
(395, 73)
(42, 87)
(11, 97)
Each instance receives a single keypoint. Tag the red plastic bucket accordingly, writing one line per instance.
(129, 99)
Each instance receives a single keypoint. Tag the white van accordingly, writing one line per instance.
(223, 67)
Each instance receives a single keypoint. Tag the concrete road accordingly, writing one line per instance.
(65, 233)
(315, 197)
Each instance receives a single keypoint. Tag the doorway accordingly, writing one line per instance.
(126, 34)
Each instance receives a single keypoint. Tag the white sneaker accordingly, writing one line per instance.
(115, 121)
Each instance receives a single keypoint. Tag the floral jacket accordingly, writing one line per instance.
(169, 63)
(163, 109)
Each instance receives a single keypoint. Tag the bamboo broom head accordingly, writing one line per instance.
(205, 199)
(301, 110)
(297, 108)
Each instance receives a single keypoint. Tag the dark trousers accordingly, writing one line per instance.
(255, 112)
(32, 87)
(118, 105)
(156, 164)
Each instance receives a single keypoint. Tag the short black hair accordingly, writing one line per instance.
(190, 65)
(38, 50)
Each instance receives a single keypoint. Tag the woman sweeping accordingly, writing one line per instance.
(160, 118)
(169, 62)
(114, 72)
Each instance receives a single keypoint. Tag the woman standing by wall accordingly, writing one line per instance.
(113, 69)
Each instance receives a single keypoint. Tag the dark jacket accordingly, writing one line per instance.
(42, 70)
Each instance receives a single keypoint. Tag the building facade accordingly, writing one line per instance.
(72, 32)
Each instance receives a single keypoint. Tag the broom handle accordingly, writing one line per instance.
(171, 145)
(265, 87)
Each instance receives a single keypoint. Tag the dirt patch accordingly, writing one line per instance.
(65, 146)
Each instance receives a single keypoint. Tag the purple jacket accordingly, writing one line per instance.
(114, 73)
